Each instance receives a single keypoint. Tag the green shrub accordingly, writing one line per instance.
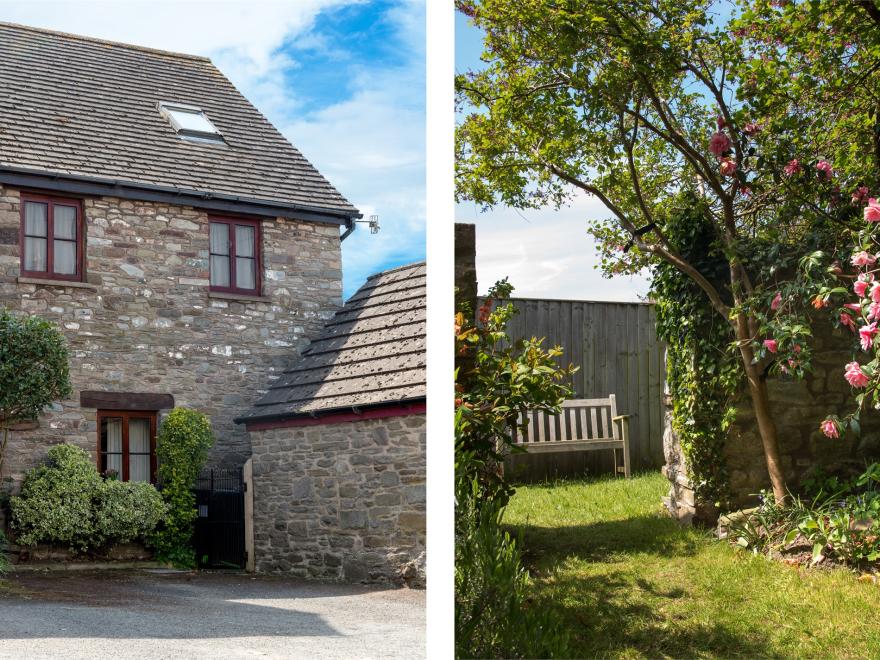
(127, 511)
(4, 560)
(492, 616)
(34, 370)
(67, 502)
(182, 448)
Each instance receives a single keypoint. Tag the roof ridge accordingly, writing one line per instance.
(397, 268)
(107, 42)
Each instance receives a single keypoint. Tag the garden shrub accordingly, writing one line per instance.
(67, 502)
(4, 560)
(493, 618)
(182, 448)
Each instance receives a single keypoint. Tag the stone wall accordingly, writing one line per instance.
(798, 406)
(146, 322)
(342, 501)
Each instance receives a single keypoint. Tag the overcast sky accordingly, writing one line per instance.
(343, 80)
(547, 253)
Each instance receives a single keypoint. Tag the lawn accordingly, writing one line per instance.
(631, 583)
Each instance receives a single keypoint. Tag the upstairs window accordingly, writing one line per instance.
(235, 256)
(190, 122)
(51, 238)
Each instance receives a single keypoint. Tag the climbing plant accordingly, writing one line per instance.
(703, 375)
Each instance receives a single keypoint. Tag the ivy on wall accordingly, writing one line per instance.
(703, 373)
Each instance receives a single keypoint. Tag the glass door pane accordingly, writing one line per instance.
(139, 449)
(111, 444)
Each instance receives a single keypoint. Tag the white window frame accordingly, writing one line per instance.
(166, 108)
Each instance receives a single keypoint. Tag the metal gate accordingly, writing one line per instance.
(219, 533)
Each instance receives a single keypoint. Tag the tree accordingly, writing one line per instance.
(635, 102)
(34, 370)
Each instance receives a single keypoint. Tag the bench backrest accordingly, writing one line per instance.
(580, 419)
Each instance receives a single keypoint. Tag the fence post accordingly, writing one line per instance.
(248, 476)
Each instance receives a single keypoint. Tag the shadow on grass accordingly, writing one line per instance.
(613, 610)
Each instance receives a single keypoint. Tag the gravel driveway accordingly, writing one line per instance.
(143, 614)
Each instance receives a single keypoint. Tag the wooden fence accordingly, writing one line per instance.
(616, 347)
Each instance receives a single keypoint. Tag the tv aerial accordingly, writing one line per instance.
(372, 223)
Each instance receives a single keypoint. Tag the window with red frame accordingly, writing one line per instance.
(51, 237)
(127, 445)
(235, 255)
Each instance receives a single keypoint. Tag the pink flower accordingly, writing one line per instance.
(825, 167)
(875, 292)
(847, 320)
(856, 307)
(719, 143)
(796, 348)
(860, 286)
(829, 428)
(728, 167)
(770, 345)
(745, 191)
(863, 259)
(860, 195)
(854, 375)
(873, 311)
(777, 301)
(751, 128)
(866, 335)
(793, 167)
(872, 211)
(721, 122)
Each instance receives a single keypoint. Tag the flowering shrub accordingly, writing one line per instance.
(67, 502)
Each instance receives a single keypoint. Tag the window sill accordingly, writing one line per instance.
(71, 283)
(241, 297)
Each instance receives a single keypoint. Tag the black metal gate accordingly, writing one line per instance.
(219, 534)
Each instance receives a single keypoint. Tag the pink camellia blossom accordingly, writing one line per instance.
(860, 286)
(728, 167)
(875, 292)
(770, 345)
(872, 211)
(777, 301)
(847, 320)
(866, 335)
(863, 259)
(719, 143)
(873, 311)
(860, 195)
(856, 307)
(825, 167)
(829, 428)
(751, 128)
(854, 375)
(793, 167)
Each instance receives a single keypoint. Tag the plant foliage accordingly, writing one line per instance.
(34, 370)
(66, 502)
(182, 446)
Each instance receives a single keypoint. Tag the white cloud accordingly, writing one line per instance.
(369, 144)
(547, 254)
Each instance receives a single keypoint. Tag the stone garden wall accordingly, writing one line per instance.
(343, 501)
(798, 406)
(145, 320)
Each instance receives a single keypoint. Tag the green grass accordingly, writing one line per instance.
(631, 583)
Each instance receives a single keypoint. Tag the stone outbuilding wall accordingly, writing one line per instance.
(342, 501)
(798, 406)
(145, 321)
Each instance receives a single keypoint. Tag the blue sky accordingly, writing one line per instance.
(546, 253)
(344, 80)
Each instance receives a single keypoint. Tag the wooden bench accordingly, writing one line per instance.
(582, 425)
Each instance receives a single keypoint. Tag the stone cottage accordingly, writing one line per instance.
(339, 443)
(186, 249)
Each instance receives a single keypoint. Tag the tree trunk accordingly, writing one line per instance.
(761, 407)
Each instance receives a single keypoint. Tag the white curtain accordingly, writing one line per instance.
(245, 263)
(139, 450)
(244, 241)
(219, 247)
(114, 446)
(35, 227)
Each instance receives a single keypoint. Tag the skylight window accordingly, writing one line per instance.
(190, 122)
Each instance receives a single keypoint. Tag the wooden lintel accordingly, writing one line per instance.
(125, 400)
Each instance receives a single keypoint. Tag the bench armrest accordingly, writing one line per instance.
(619, 417)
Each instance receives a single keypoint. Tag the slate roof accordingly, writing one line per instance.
(371, 353)
(82, 106)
